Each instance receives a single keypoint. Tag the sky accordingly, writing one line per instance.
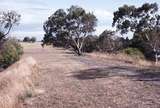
(35, 12)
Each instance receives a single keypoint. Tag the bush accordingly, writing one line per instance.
(15, 43)
(33, 39)
(28, 39)
(109, 42)
(10, 52)
(90, 44)
(134, 52)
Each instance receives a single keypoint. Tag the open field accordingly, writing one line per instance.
(69, 81)
(79, 54)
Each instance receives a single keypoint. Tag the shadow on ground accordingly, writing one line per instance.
(149, 74)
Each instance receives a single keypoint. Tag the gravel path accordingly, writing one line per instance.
(69, 81)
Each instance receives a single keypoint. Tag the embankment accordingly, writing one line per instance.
(17, 82)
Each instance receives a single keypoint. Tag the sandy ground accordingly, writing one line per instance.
(69, 81)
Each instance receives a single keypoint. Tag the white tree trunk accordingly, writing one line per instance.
(156, 57)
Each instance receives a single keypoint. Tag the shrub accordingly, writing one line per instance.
(90, 44)
(10, 52)
(33, 39)
(109, 42)
(18, 47)
(26, 39)
(134, 52)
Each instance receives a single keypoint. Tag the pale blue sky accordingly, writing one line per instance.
(35, 12)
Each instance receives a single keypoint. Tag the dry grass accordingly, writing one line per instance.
(69, 81)
(16, 82)
(124, 58)
(29, 45)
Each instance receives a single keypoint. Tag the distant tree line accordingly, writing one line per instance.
(72, 28)
(28, 39)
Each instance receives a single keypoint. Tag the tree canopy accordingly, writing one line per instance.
(7, 21)
(130, 18)
(29, 39)
(143, 21)
(71, 26)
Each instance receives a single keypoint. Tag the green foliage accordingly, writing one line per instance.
(136, 19)
(15, 43)
(48, 39)
(10, 52)
(70, 27)
(108, 41)
(144, 22)
(133, 52)
(7, 21)
(90, 44)
(28, 39)
(33, 39)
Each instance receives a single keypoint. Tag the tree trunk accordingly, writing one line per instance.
(77, 47)
(79, 52)
(156, 57)
(8, 31)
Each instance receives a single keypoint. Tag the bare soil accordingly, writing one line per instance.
(69, 81)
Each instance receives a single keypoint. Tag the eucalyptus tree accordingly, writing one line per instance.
(71, 26)
(108, 41)
(7, 21)
(80, 24)
(55, 29)
(143, 21)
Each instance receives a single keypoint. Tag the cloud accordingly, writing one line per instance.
(104, 19)
(35, 12)
(22, 34)
(103, 14)
(33, 16)
(100, 29)
(20, 4)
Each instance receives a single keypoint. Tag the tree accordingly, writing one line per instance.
(48, 39)
(32, 39)
(26, 39)
(90, 44)
(143, 21)
(55, 31)
(71, 27)
(109, 42)
(7, 21)
(80, 24)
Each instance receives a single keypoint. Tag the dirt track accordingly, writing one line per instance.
(69, 81)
